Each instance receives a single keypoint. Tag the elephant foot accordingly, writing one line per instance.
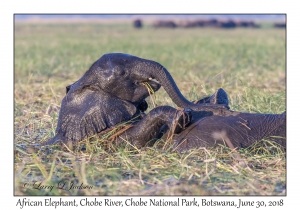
(219, 97)
(148, 130)
(181, 121)
(216, 104)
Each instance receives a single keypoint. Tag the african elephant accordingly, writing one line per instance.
(241, 130)
(112, 92)
(279, 25)
(204, 129)
(137, 23)
(164, 24)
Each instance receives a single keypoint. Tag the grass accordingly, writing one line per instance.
(248, 63)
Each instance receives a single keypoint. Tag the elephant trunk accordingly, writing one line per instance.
(162, 75)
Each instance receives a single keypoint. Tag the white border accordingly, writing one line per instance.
(112, 6)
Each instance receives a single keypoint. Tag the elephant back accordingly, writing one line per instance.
(242, 130)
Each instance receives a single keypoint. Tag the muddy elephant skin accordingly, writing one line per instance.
(112, 92)
(241, 130)
(205, 129)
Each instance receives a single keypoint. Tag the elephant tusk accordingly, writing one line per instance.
(153, 80)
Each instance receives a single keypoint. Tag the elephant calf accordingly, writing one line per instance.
(112, 91)
(241, 130)
(204, 129)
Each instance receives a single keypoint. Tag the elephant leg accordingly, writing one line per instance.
(149, 128)
(219, 97)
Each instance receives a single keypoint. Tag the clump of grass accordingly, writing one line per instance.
(151, 93)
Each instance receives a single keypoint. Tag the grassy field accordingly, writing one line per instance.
(248, 63)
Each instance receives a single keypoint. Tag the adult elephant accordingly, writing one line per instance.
(112, 92)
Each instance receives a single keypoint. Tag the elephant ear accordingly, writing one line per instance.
(89, 111)
(88, 80)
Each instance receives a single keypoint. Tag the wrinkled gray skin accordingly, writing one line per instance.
(111, 92)
(242, 130)
(204, 129)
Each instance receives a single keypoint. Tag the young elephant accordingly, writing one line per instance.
(112, 92)
(206, 129)
(238, 131)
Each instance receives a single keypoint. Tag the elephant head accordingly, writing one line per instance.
(111, 92)
(117, 75)
(122, 74)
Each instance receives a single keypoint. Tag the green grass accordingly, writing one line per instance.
(248, 63)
